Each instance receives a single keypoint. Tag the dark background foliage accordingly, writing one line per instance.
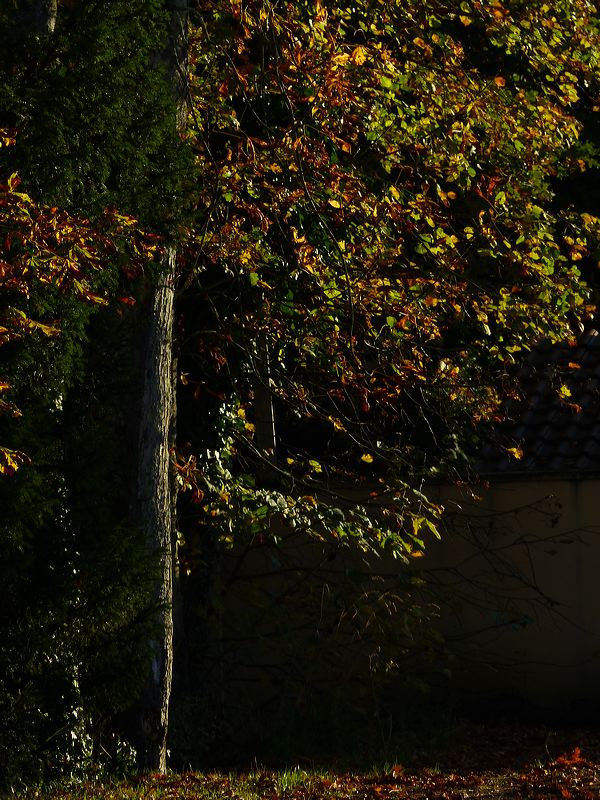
(92, 114)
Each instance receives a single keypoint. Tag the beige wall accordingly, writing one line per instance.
(516, 580)
(519, 576)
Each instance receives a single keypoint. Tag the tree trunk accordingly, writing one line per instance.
(41, 15)
(264, 414)
(155, 498)
(154, 507)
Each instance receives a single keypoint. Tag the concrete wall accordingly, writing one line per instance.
(516, 580)
(518, 576)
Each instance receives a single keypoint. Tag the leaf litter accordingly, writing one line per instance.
(499, 762)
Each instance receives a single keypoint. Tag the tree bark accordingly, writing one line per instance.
(154, 507)
(41, 15)
(155, 496)
(264, 414)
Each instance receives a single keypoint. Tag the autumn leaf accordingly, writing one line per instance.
(359, 55)
(564, 391)
(11, 460)
(516, 452)
(574, 757)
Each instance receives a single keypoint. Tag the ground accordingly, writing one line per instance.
(483, 762)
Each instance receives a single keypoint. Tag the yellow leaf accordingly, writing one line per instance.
(11, 460)
(367, 458)
(334, 203)
(341, 59)
(337, 424)
(564, 391)
(48, 330)
(296, 236)
(515, 452)
(359, 55)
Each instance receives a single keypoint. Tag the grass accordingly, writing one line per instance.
(504, 762)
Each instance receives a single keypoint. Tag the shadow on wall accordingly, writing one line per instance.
(296, 648)
(517, 578)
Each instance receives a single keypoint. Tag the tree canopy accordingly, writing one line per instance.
(380, 217)
(377, 212)
(48, 250)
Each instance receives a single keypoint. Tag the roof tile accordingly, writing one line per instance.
(556, 433)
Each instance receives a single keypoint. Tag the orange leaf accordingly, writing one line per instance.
(574, 758)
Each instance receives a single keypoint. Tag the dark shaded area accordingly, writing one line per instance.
(554, 426)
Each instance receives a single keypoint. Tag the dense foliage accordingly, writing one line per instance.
(373, 210)
(378, 222)
(75, 579)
